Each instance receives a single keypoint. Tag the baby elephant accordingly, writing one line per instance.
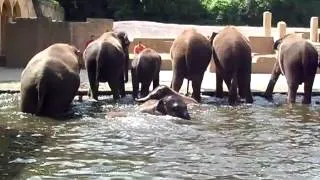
(145, 69)
(168, 105)
(50, 81)
(163, 91)
(297, 60)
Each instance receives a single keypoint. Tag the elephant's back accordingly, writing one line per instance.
(148, 64)
(231, 45)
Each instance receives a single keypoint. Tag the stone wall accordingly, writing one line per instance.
(22, 45)
(28, 36)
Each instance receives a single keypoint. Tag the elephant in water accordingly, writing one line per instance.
(106, 60)
(297, 60)
(190, 54)
(232, 57)
(163, 91)
(168, 105)
(50, 81)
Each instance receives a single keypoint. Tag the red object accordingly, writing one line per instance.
(138, 48)
(88, 42)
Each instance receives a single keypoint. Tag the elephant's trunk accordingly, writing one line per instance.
(142, 100)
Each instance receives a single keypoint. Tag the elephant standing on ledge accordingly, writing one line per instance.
(190, 54)
(232, 57)
(106, 60)
(50, 81)
(145, 69)
(297, 60)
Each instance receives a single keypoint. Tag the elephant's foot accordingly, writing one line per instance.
(219, 95)
(249, 100)
(196, 97)
(306, 101)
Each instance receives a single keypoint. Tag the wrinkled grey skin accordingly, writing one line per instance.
(145, 69)
(297, 60)
(190, 54)
(162, 91)
(232, 57)
(106, 60)
(168, 105)
(50, 81)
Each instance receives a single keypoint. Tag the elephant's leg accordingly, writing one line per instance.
(273, 80)
(244, 87)
(122, 85)
(308, 91)
(145, 88)
(233, 91)
(196, 86)
(219, 85)
(94, 84)
(135, 84)
(292, 92)
(177, 81)
(115, 88)
(156, 80)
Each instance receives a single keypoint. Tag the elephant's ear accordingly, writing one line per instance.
(123, 38)
(161, 107)
(213, 35)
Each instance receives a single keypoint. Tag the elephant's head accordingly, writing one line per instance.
(123, 37)
(173, 106)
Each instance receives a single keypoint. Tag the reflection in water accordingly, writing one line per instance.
(268, 140)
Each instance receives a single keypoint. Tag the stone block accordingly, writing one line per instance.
(161, 45)
(261, 44)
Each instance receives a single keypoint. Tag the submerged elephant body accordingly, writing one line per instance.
(106, 60)
(232, 57)
(163, 91)
(50, 81)
(190, 54)
(168, 105)
(297, 60)
(145, 69)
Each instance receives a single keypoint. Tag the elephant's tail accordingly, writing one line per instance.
(41, 89)
(217, 63)
(98, 61)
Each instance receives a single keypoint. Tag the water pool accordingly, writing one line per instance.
(106, 139)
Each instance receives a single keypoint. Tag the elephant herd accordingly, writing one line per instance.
(51, 79)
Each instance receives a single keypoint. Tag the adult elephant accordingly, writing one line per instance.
(232, 57)
(190, 54)
(297, 60)
(106, 60)
(145, 69)
(50, 81)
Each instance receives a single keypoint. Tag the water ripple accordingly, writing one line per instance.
(265, 140)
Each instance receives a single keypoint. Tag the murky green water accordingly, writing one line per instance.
(260, 141)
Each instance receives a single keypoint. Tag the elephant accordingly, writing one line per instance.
(162, 91)
(106, 60)
(232, 58)
(168, 105)
(190, 54)
(145, 69)
(50, 81)
(297, 60)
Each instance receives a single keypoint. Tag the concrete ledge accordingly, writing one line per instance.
(161, 45)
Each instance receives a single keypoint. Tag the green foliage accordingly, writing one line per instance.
(237, 12)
